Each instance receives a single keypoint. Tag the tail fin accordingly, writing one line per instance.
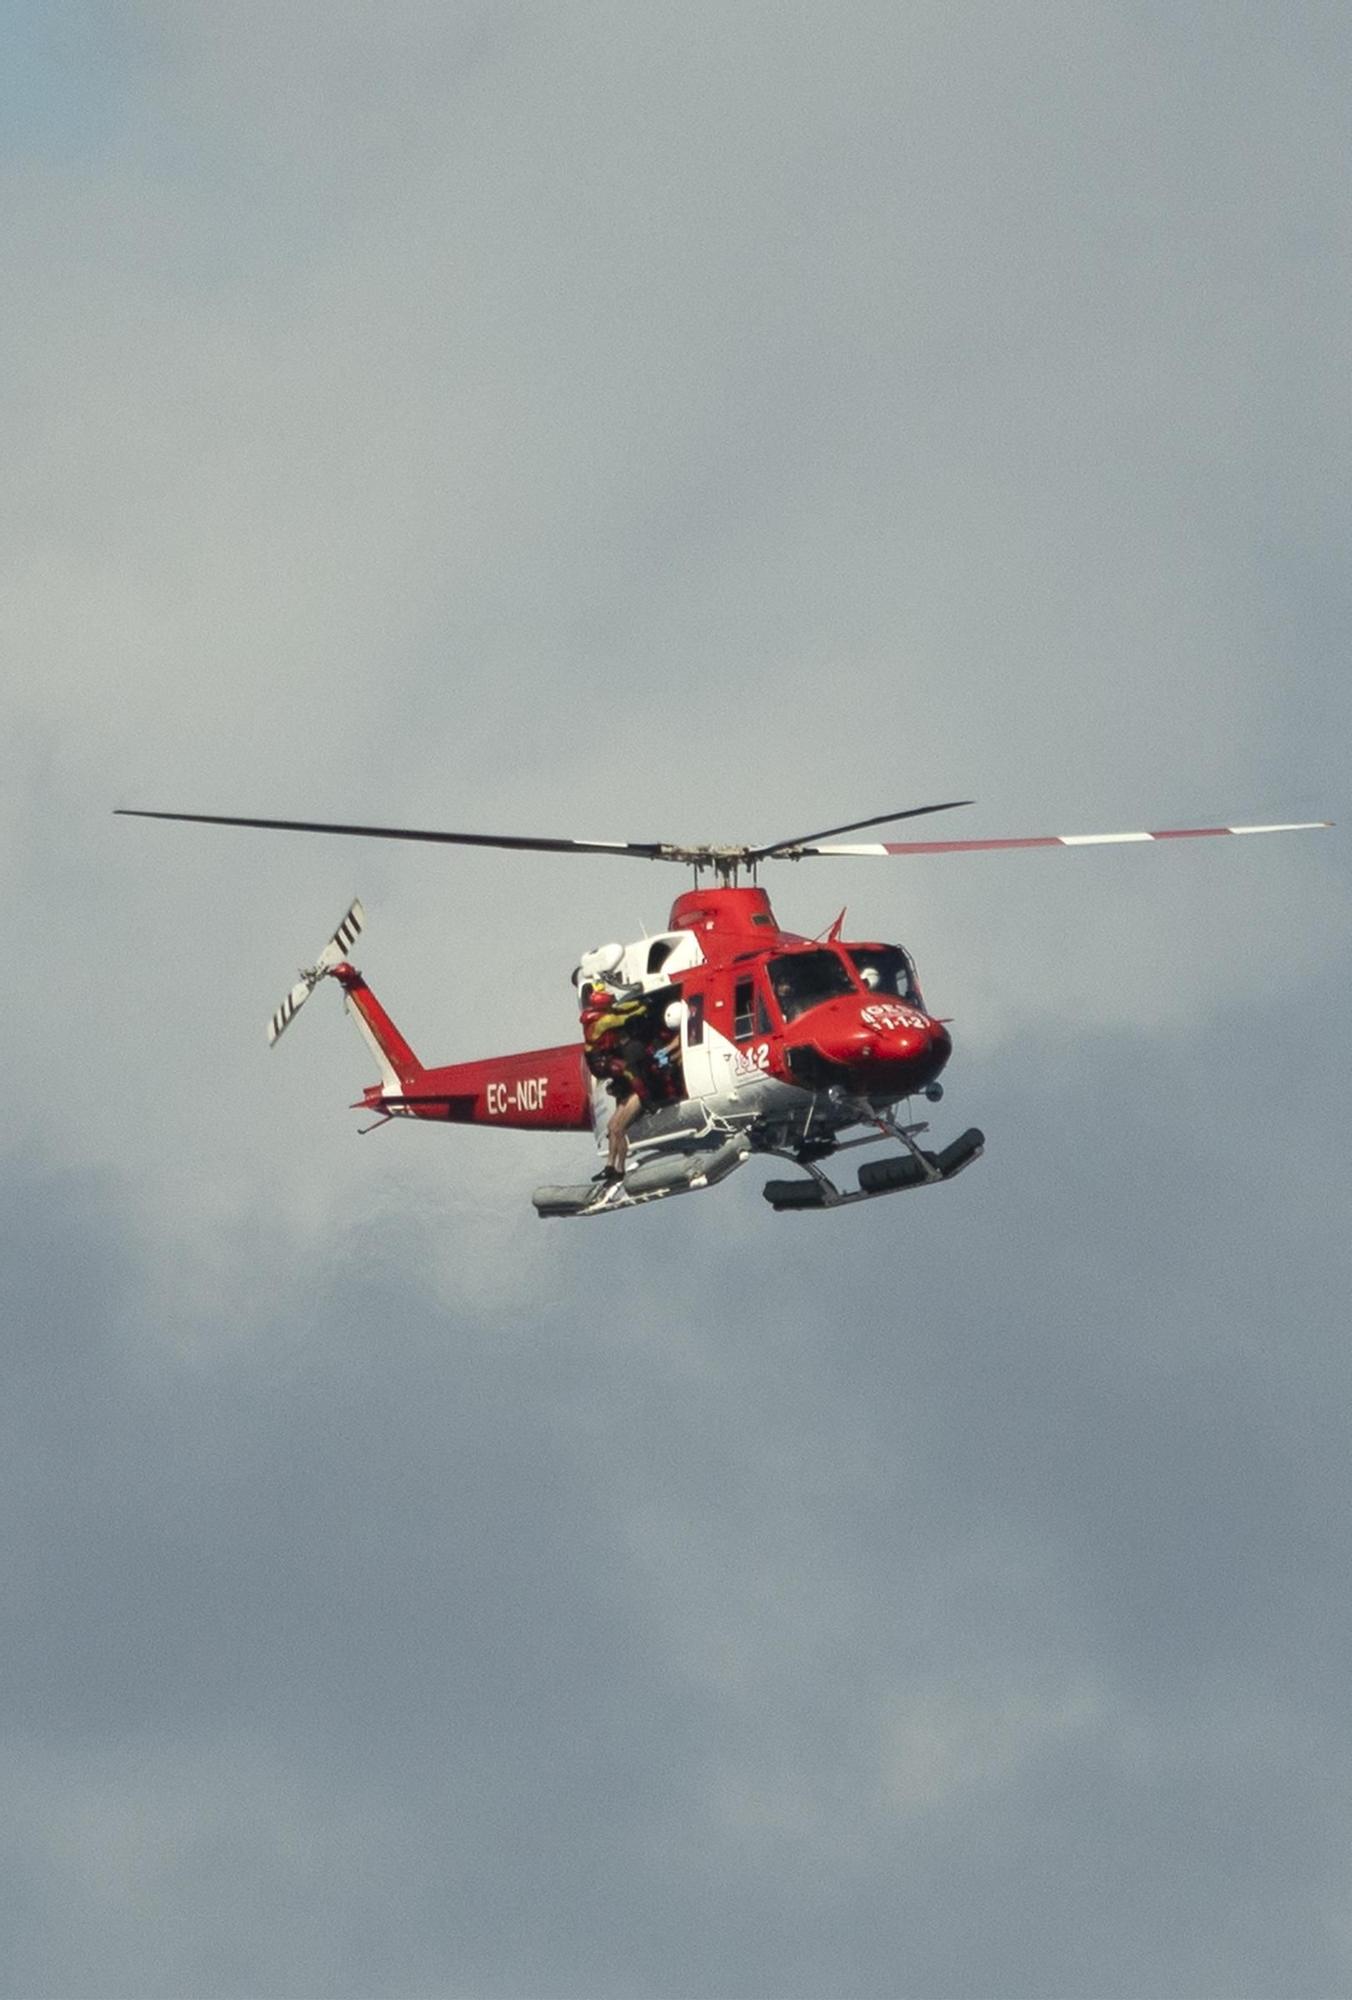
(399, 1067)
(328, 961)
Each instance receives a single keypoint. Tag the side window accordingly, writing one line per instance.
(741, 1011)
(694, 1020)
(763, 1026)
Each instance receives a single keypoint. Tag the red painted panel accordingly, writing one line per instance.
(541, 1090)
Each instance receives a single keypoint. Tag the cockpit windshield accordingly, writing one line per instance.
(885, 969)
(806, 979)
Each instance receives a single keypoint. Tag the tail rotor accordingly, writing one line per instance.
(333, 954)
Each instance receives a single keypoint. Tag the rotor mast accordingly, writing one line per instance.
(726, 864)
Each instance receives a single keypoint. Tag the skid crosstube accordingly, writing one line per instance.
(877, 1177)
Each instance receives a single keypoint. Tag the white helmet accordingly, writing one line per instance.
(601, 963)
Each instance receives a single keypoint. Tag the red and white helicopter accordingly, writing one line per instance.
(779, 1044)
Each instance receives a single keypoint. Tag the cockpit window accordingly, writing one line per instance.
(806, 979)
(885, 969)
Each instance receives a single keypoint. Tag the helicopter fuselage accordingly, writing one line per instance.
(789, 1037)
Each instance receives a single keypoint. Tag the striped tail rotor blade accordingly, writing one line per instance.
(334, 952)
(343, 939)
(288, 1010)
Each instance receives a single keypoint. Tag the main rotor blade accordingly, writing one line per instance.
(1059, 839)
(648, 850)
(827, 832)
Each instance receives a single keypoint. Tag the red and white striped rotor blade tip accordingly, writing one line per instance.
(1057, 839)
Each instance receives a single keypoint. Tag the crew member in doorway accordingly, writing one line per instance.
(612, 1030)
(664, 1056)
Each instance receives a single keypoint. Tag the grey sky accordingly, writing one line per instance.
(633, 421)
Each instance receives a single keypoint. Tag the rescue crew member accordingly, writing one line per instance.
(611, 1031)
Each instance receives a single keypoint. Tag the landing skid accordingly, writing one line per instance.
(915, 1168)
(683, 1169)
(605, 1200)
(677, 1169)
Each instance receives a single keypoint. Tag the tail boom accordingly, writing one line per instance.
(542, 1090)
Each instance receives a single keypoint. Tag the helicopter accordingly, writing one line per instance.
(746, 1039)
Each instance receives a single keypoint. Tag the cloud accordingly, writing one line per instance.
(725, 1632)
(611, 422)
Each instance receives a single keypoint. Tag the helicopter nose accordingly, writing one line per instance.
(882, 1050)
(902, 1056)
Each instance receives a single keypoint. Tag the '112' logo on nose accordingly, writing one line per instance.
(886, 1014)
